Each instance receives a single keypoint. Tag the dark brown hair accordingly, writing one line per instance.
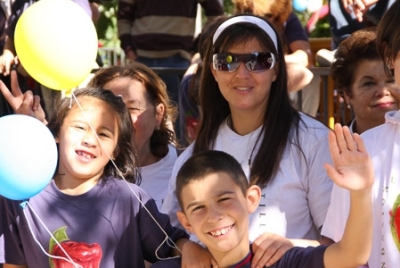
(281, 120)
(360, 45)
(206, 163)
(125, 159)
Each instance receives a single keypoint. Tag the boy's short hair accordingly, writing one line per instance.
(202, 164)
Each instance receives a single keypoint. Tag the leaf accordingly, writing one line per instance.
(60, 235)
(394, 222)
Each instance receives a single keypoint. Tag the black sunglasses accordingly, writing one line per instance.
(254, 62)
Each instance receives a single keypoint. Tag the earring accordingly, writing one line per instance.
(348, 106)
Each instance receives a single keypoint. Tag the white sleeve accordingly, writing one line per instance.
(171, 205)
(337, 215)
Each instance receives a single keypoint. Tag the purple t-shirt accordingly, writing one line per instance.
(107, 224)
(297, 257)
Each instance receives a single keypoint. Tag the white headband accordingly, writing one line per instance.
(251, 19)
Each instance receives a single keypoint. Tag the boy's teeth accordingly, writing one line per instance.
(221, 231)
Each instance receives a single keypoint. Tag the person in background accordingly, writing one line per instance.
(152, 113)
(189, 103)
(382, 143)
(359, 75)
(5, 13)
(161, 34)
(348, 16)
(246, 112)
(9, 56)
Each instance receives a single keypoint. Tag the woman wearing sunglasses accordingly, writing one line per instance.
(246, 112)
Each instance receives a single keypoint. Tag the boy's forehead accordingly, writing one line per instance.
(211, 184)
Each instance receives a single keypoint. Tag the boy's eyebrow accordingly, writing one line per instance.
(218, 194)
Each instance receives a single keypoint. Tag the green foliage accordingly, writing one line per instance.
(228, 7)
(322, 28)
(106, 26)
(108, 34)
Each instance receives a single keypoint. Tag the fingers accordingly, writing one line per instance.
(351, 145)
(36, 103)
(344, 139)
(360, 143)
(268, 249)
(332, 173)
(347, 4)
(14, 103)
(333, 145)
(27, 104)
(15, 89)
(269, 257)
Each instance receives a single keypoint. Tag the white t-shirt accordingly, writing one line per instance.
(155, 177)
(297, 201)
(383, 145)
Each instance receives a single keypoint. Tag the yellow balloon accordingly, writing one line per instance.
(56, 42)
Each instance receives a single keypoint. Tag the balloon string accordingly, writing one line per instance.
(26, 203)
(167, 239)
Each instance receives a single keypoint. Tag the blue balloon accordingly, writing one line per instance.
(28, 156)
(300, 5)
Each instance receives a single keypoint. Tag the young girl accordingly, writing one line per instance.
(152, 113)
(98, 219)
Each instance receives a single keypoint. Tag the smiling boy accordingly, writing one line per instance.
(216, 201)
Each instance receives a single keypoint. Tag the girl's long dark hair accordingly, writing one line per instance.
(281, 120)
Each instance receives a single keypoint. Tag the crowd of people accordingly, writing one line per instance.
(258, 183)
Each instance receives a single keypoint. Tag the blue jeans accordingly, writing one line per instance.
(172, 81)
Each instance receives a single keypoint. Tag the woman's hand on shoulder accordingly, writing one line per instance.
(196, 256)
(268, 248)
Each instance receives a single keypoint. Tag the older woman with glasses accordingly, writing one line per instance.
(246, 112)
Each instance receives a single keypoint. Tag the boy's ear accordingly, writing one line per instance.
(184, 221)
(253, 196)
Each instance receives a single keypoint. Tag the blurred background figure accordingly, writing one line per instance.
(359, 75)
(161, 33)
(8, 57)
(346, 18)
(189, 103)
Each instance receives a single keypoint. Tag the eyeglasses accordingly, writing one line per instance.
(254, 62)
